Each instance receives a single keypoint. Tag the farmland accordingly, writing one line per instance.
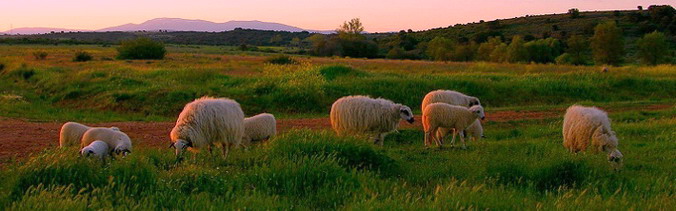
(520, 165)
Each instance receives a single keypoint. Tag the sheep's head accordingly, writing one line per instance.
(406, 114)
(608, 143)
(86, 152)
(181, 146)
(478, 111)
(122, 150)
(474, 101)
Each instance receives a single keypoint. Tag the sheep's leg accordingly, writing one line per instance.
(455, 132)
(462, 139)
(426, 139)
(226, 149)
(381, 139)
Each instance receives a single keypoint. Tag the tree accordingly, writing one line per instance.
(607, 44)
(578, 50)
(141, 48)
(396, 53)
(653, 48)
(574, 13)
(351, 30)
(499, 54)
(440, 49)
(486, 49)
(516, 52)
(543, 50)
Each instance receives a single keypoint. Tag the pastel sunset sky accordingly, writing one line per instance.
(377, 15)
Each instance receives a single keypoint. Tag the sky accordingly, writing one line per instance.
(377, 15)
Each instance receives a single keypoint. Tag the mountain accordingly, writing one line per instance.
(40, 30)
(178, 24)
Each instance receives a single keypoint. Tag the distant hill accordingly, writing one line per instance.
(178, 24)
(39, 30)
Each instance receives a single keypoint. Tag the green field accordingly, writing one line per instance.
(520, 165)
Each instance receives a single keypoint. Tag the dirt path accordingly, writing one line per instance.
(20, 138)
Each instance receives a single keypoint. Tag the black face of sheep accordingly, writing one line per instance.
(407, 114)
(180, 146)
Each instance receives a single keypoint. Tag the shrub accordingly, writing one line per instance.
(281, 59)
(40, 55)
(141, 48)
(82, 56)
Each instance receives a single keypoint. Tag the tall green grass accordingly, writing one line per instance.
(521, 165)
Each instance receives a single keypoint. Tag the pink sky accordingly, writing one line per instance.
(377, 15)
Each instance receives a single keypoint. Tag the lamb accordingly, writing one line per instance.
(117, 141)
(71, 133)
(365, 115)
(475, 131)
(258, 128)
(452, 98)
(206, 122)
(582, 124)
(457, 118)
(98, 149)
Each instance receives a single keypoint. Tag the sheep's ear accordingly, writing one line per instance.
(171, 145)
(189, 144)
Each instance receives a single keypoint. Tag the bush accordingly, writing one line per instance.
(82, 56)
(281, 59)
(40, 55)
(141, 48)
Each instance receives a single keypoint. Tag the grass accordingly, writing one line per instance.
(520, 165)
(154, 90)
(304, 169)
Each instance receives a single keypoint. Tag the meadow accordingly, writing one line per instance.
(520, 165)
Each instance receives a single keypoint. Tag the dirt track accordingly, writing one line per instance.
(21, 138)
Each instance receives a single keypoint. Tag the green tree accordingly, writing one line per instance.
(516, 52)
(486, 48)
(543, 50)
(396, 53)
(440, 49)
(653, 48)
(499, 54)
(607, 44)
(351, 30)
(578, 50)
(141, 48)
(574, 13)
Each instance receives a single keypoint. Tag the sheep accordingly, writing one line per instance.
(457, 118)
(582, 124)
(475, 131)
(118, 141)
(260, 127)
(206, 122)
(366, 115)
(448, 97)
(71, 133)
(98, 149)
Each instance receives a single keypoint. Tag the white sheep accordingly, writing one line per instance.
(98, 149)
(117, 141)
(365, 115)
(259, 127)
(71, 133)
(582, 125)
(475, 131)
(206, 122)
(456, 118)
(449, 97)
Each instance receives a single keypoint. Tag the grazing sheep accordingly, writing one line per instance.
(206, 122)
(604, 69)
(365, 115)
(448, 97)
(582, 124)
(118, 141)
(98, 149)
(258, 128)
(475, 131)
(456, 118)
(71, 133)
